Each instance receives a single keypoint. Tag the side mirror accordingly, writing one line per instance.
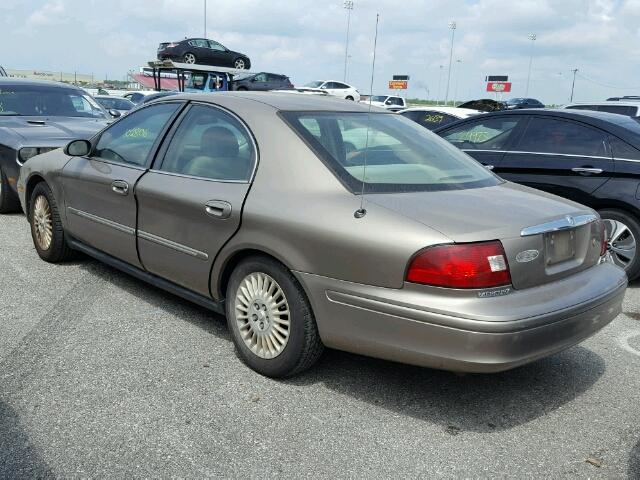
(388, 102)
(323, 87)
(254, 79)
(78, 148)
(114, 113)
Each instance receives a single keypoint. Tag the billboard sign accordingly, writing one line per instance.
(398, 84)
(499, 87)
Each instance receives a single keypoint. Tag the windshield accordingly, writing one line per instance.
(400, 155)
(379, 98)
(117, 103)
(242, 76)
(38, 100)
(314, 84)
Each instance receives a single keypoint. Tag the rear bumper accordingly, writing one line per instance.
(379, 322)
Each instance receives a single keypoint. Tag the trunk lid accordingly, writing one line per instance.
(545, 237)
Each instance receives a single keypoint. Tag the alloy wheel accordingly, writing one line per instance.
(240, 64)
(262, 315)
(189, 58)
(621, 242)
(42, 222)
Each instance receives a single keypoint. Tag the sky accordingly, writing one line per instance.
(306, 41)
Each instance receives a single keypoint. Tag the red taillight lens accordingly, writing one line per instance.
(469, 265)
(603, 238)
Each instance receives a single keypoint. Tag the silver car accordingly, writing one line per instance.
(310, 222)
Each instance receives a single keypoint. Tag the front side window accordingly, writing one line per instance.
(131, 139)
(483, 134)
(216, 46)
(212, 144)
(261, 77)
(40, 100)
(549, 135)
(388, 152)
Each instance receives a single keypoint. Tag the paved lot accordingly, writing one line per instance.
(104, 376)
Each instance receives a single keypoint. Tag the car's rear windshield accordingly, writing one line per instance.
(38, 100)
(388, 151)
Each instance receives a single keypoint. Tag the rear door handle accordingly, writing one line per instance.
(489, 167)
(218, 209)
(586, 170)
(120, 187)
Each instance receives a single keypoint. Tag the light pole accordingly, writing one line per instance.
(458, 68)
(452, 26)
(439, 84)
(348, 6)
(205, 18)
(575, 70)
(532, 37)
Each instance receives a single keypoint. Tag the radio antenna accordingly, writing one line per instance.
(361, 212)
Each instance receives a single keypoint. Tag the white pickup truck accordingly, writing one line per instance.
(390, 102)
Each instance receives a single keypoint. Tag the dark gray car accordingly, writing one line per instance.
(37, 116)
(251, 204)
(262, 81)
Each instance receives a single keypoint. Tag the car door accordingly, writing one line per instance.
(561, 156)
(259, 82)
(100, 204)
(190, 203)
(485, 139)
(218, 54)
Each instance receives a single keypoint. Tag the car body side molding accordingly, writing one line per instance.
(208, 303)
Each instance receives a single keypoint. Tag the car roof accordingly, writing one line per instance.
(283, 101)
(43, 83)
(620, 125)
(457, 111)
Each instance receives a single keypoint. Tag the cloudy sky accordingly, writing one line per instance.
(306, 40)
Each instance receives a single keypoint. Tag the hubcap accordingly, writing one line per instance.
(240, 64)
(262, 315)
(189, 58)
(621, 243)
(42, 223)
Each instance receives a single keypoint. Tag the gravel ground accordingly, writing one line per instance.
(104, 376)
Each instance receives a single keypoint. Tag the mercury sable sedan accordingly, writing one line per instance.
(310, 222)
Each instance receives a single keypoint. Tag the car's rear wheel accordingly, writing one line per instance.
(242, 89)
(9, 202)
(270, 318)
(240, 64)
(623, 234)
(46, 228)
(189, 58)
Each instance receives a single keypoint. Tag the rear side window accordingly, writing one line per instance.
(388, 152)
(483, 134)
(212, 144)
(549, 135)
(619, 109)
(622, 150)
(131, 139)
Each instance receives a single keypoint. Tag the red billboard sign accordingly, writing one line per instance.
(498, 87)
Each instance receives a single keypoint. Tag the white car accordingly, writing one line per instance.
(390, 102)
(631, 109)
(432, 117)
(334, 88)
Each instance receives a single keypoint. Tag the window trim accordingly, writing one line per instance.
(154, 147)
(156, 165)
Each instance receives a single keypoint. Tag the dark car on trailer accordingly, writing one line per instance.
(262, 82)
(586, 156)
(204, 52)
(37, 116)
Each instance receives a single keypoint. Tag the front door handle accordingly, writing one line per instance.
(586, 170)
(120, 187)
(218, 209)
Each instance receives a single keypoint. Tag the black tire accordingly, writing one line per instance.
(9, 202)
(303, 347)
(58, 250)
(186, 55)
(633, 267)
(242, 89)
(244, 64)
(349, 97)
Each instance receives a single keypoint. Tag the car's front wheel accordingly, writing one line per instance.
(46, 228)
(349, 97)
(270, 318)
(9, 202)
(240, 64)
(623, 234)
(189, 58)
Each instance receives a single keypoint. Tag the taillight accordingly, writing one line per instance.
(603, 238)
(467, 265)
